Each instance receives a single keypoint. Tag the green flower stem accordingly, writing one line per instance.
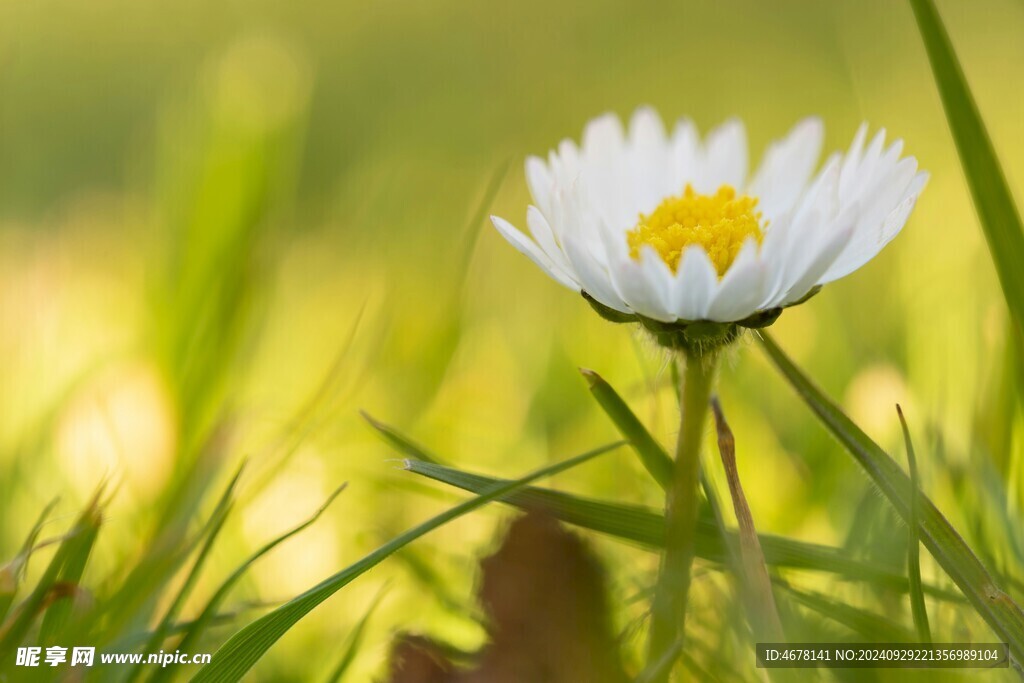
(668, 608)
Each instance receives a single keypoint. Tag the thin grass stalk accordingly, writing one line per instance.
(758, 584)
(917, 606)
(993, 200)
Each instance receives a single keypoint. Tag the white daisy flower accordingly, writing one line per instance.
(670, 231)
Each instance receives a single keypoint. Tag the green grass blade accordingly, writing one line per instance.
(133, 605)
(210, 534)
(993, 200)
(645, 527)
(941, 539)
(872, 627)
(652, 455)
(355, 639)
(917, 606)
(246, 647)
(12, 573)
(14, 630)
(206, 617)
(400, 442)
(472, 230)
(136, 640)
(80, 545)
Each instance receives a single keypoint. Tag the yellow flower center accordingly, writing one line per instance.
(719, 223)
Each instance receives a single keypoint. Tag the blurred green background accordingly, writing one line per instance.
(225, 228)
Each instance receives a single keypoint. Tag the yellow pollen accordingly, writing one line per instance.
(719, 223)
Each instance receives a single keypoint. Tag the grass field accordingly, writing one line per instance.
(228, 230)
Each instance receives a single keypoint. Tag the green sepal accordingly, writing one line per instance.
(608, 313)
(692, 336)
(813, 290)
(761, 319)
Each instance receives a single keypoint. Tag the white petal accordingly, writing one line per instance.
(545, 237)
(876, 188)
(851, 161)
(525, 246)
(582, 218)
(873, 238)
(694, 285)
(684, 156)
(792, 241)
(605, 170)
(818, 265)
(602, 137)
(648, 156)
(644, 285)
(565, 164)
(860, 168)
(725, 157)
(787, 167)
(741, 289)
(540, 182)
(593, 278)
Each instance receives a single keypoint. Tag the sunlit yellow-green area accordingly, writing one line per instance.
(228, 228)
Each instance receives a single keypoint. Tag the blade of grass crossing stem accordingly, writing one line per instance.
(758, 585)
(654, 458)
(12, 573)
(917, 606)
(210, 534)
(14, 631)
(652, 455)
(205, 618)
(355, 640)
(248, 645)
(645, 527)
(1000, 220)
(942, 540)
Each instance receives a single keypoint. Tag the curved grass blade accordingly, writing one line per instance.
(314, 412)
(12, 573)
(206, 617)
(993, 200)
(917, 606)
(942, 540)
(652, 455)
(402, 443)
(355, 639)
(14, 630)
(132, 607)
(80, 546)
(248, 645)
(645, 527)
(209, 535)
